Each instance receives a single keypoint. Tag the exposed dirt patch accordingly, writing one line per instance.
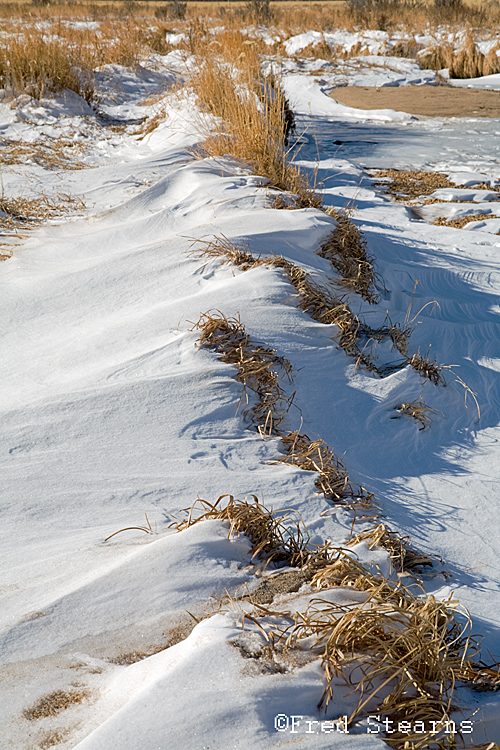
(173, 636)
(427, 101)
(283, 583)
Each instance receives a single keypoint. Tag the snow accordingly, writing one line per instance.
(110, 411)
(491, 82)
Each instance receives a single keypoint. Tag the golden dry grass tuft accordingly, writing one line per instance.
(48, 153)
(32, 63)
(405, 185)
(347, 251)
(317, 301)
(417, 410)
(409, 185)
(466, 62)
(427, 367)
(252, 113)
(258, 369)
(333, 479)
(469, 62)
(461, 221)
(52, 738)
(403, 557)
(276, 537)
(398, 650)
(26, 213)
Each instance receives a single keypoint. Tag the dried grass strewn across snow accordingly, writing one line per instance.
(401, 651)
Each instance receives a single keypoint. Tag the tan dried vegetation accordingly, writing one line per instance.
(251, 112)
(466, 62)
(462, 221)
(47, 153)
(408, 185)
(347, 251)
(258, 369)
(55, 702)
(417, 410)
(401, 651)
(25, 213)
(403, 557)
(325, 307)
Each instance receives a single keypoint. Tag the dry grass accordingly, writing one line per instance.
(462, 221)
(27, 213)
(52, 738)
(48, 153)
(405, 185)
(275, 537)
(427, 367)
(252, 113)
(258, 369)
(466, 62)
(317, 301)
(347, 251)
(417, 410)
(31, 63)
(53, 703)
(5, 252)
(408, 185)
(401, 651)
(333, 479)
(19, 214)
(147, 529)
(404, 558)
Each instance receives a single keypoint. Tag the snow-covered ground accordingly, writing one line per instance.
(110, 411)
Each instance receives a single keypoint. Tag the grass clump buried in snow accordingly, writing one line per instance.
(333, 479)
(408, 185)
(403, 557)
(317, 301)
(417, 410)
(273, 536)
(26, 213)
(257, 367)
(347, 251)
(55, 702)
(462, 221)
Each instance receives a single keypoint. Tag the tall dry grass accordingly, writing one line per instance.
(38, 61)
(35, 60)
(252, 112)
(33, 64)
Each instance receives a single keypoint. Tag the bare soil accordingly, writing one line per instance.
(428, 101)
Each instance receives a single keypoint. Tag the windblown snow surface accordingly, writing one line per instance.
(110, 411)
